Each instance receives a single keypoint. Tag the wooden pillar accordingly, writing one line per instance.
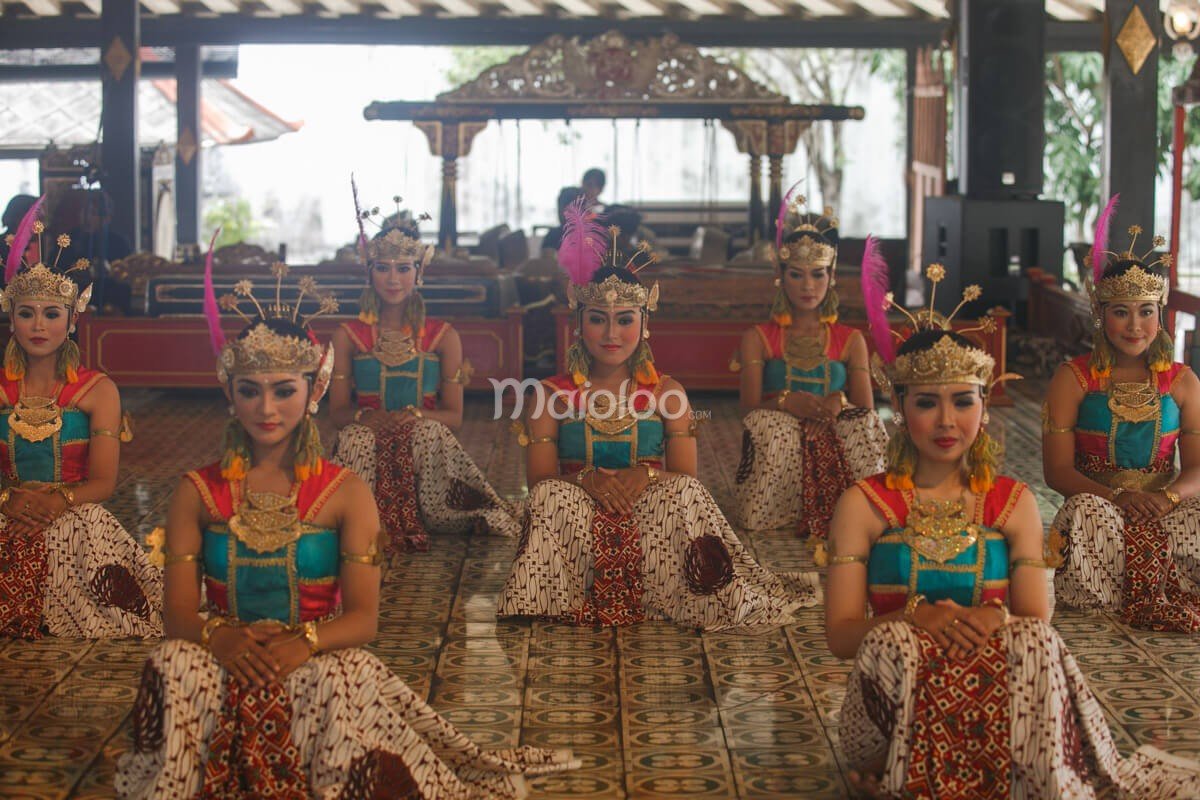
(756, 228)
(1131, 113)
(775, 193)
(120, 67)
(187, 145)
(910, 105)
(448, 217)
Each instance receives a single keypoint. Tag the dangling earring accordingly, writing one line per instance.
(645, 333)
(307, 459)
(235, 452)
(579, 363)
(901, 460)
(231, 410)
(68, 361)
(368, 305)
(986, 417)
(781, 309)
(898, 418)
(642, 365)
(982, 461)
(778, 283)
(828, 311)
(575, 332)
(14, 361)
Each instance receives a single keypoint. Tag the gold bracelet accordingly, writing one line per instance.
(416, 412)
(67, 494)
(543, 440)
(310, 636)
(210, 627)
(105, 432)
(583, 473)
(4, 495)
(781, 398)
(181, 558)
(691, 433)
(358, 415)
(996, 602)
(651, 474)
(752, 362)
(910, 607)
(1172, 496)
(1189, 432)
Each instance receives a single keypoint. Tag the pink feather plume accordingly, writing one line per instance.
(781, 220)
(875, 285)
(21, 240)
(211, 312)
(362, 231)
(1100, 238)
(583, 243)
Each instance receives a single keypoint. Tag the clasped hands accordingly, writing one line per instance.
(807, 405)
(31, 508)
(1143, 506)
(260, 654)
(616, 490)
(959, 630)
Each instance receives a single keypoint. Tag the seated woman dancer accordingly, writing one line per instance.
(1129, 531)
(810, 427)
(960, 686)
(619, 529)
(68, 567)
(268, 692)
(397, 399)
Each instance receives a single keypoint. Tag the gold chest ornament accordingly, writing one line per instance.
(1134, 402)
(804, 353)
(938, 529)
(393, 348)
(35, 418)
(610, 414)
(266, 521)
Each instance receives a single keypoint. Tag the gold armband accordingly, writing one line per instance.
(372, 558)
(544, 440)
(1172, 496)
(463, 374)
(835, 560)
(752, 362)
(1189, 432)
(180, 558)
(106, 432)
(1039, 563)
(1050, 427)
(344, 377)
(690, 432)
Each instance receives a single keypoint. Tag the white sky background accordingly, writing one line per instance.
(328, 86)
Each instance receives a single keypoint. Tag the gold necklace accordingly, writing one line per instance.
(1135, 401)
(805, 352)
(394, 348)
(266, 521)
(608, 413)
(938, 529)
(36, 418)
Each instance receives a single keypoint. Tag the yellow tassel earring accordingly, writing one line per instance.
(579, 363)
(307, 460)
(368, 306)
(901, 460)
(983, 460)
(828, 312)
(1161, 352)
(642, 365)
(68, 361)
(1102, 355)
(781, 309)
(235, 452)
(14, 361)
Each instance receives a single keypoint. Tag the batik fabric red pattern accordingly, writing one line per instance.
(23, 571)
(616, 594)
(251, 755)
(825, 475)
(1153, 591)
(960, 725)
(396, 490)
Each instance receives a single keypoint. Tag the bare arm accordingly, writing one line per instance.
(181, 579)
(1058, 444)
(680, 445)
(752, 356)
(858, 380)
(1186, 392)
(341, 404)
(1027, 596)
(103, 406)
(854, 528)
(541, 456)
(358, 532)
(450, 407)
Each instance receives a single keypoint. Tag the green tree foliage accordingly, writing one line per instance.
(1075, 133)
(467, 62)
(235, 219)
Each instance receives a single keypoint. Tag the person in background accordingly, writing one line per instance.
(553, 238)
(592, 185)
(17, 208)
(95, 240)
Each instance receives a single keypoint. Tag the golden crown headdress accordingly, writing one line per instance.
(394, 245)
(947, 361)
(813, 250)
(1138, 284)
(580, 242)
(39, 281)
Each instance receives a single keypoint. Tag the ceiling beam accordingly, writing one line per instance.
(882, 8)
(283, 7)
(161, 6)
(219, 6)
(1067, 11)
(820, 8)
(45, 8)
(400, 8)
(25, 73)
(523, 8)
(19, 33)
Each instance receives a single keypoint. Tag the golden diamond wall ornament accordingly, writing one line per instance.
(186, 146)
(117, 58)
(1136, 40)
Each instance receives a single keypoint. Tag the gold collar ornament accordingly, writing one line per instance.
(41, 282)
(938, 529)
(35, 419)
(1136, 401)
(394, 348)
(266, 521)
(805, 353)
(609, 414)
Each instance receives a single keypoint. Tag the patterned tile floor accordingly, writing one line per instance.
(654, 711)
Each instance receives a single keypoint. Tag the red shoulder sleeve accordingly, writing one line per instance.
(839, 337)
(1166, 378)
(999, 503)
(888, 502)
(72, 393)
(1081, 367)
(432, 333)
(772, 336)
(215, 491)
(10, 391)
(317, 490)
(361, 334)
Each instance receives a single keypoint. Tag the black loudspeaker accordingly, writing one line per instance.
(991, 243)
(1001, 97)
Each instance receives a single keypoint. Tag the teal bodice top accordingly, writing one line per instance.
(973, 570)
(411, 383)
(582, 444)
(818, 368)
(60, 458)
(827, 378)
